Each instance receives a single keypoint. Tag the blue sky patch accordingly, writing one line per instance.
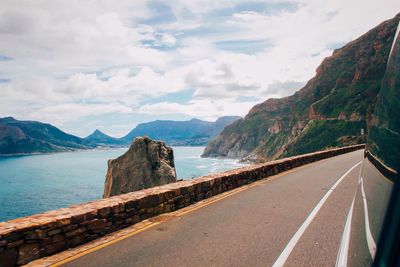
(335, 45)
(247, 99)
(259, 7)
(162, 13)
(244, 46)
(181, 97)
(5, 58)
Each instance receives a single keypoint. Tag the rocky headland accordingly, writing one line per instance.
(146, 164)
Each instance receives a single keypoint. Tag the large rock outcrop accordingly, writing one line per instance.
(330, 110)
(146, 164)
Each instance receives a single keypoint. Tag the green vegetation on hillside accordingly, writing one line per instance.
(324, 134)
(356, 97)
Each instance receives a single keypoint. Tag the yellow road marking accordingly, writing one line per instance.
(104, 245)
(180, 212)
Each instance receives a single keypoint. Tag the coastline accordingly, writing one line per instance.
(54, 180)
(101, 148)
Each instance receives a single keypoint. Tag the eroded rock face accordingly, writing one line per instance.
(147, 163)
(276, 127)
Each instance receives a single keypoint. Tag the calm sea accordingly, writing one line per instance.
(38, 183)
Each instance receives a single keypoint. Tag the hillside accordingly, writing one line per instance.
(193, 132)
(330, 110)
(25, 137)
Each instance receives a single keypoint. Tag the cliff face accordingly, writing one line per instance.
(146, 164)
(330, 110)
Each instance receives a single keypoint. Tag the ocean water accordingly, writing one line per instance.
(38, 183)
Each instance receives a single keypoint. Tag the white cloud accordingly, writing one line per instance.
(76, 59)
(207, 109)
(62, 113)
(167, 39)
(85, 94)
(121, 84)
(44, 39)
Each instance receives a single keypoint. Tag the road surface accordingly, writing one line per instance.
(295, 219)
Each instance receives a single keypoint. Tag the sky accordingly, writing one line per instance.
(109, 65)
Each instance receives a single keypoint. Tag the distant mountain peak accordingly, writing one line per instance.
(97, 134)
(99, 138)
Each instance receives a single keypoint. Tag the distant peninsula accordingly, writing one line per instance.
(18, 137)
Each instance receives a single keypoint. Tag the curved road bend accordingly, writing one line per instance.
(253, 227)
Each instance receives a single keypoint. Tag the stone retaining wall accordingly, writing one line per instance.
(25, 239)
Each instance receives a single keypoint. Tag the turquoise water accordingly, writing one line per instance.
(38, 183)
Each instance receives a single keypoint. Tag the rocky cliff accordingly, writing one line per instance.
(147, 163)
(330, 110)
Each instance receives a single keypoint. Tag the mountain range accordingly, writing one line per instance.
(332, 109)
(181, 133)
(29, 137)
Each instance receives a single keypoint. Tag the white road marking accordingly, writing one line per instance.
(370, 239)
(341, 260)
(293, 241)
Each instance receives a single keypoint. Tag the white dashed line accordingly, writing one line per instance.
(341, 260)
(370, 239)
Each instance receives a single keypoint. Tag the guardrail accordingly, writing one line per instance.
(26, 239)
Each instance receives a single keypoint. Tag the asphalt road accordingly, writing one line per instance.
(295, 219)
